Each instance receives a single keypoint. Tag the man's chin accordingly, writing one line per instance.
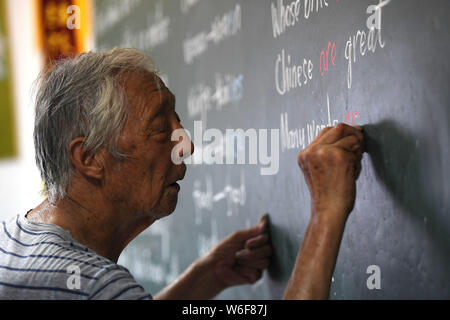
(167, 203)
(168, 206)
(171, 208)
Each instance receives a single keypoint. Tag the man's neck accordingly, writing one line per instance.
(99, 230)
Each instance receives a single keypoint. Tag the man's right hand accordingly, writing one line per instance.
(331, 164)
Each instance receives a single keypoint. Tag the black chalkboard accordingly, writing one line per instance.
(296, 66)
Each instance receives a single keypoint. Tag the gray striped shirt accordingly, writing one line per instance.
(43, 261)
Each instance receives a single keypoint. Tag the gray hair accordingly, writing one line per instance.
(81, 97)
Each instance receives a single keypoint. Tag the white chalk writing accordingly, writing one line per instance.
(186, 5)
(300, 138)
(290, 76)
(204, 200)
(285, 16)
(201, 98)
(155, 34)
(363, 42)
(222, 27)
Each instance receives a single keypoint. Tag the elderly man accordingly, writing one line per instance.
(103, 146)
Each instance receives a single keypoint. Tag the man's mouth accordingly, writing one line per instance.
(180, 177)
(174, 185)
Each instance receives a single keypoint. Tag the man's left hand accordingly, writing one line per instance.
(242, 256)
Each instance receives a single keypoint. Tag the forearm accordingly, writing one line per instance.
(198, 282)
(316, 260)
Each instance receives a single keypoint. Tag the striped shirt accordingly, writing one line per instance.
(43, 261)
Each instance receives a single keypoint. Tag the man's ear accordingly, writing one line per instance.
(88, 164)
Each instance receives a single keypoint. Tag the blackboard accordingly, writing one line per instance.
(295, 67)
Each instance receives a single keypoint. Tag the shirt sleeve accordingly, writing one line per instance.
(118, 284)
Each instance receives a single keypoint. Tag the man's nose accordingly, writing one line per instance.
(192, 147)
(186, 143)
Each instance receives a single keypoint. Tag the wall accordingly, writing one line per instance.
(20, 181)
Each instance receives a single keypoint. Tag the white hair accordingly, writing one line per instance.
(81, 97)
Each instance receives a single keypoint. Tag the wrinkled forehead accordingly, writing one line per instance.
(145, 90)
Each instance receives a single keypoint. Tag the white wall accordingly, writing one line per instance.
(20, 181)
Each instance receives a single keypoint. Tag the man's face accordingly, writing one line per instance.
(145, 181)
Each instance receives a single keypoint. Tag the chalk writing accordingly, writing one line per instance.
(363, 42)
(285, 16)
(326, 56)
(205, 199)
(206, 242)
(289, 76)
(222, 27)
(155, 34)
(154, 262)
(300, 138)
(201, 98)
(186, 5)
(115, 12)
(350, 117)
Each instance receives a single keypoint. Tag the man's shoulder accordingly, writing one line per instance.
(40, 261)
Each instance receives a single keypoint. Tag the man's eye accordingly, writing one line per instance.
(159, 126)
(160, 130)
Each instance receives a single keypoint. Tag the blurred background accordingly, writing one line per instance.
(32, 33)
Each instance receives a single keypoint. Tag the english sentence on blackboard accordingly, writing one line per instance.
(229, 147)
(286, 16)
(290, 74)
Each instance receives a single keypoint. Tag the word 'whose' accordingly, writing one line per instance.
(284, 16)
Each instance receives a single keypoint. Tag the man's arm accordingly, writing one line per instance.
(238, 259)
(331, 165)
(315, 262)
(197, 282)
